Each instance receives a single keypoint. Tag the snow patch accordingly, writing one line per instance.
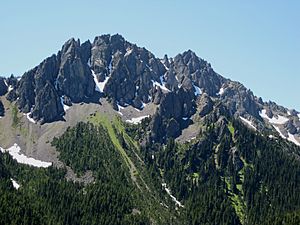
(137, 120)
(15, 184)
(110, 67)
(149, 67)
(273, 120)
(248, 122)
(99, 85)
(128, 51)
(299, 116)
(221, 91)
(185, 118)
(119, 109)
(143, 105)
(10, 88)
(292, 138)
(29, 118)
(56, 83)
(14, 151)
(163, 62)
(162, 85)
(278, 130)
(66, 107)
(172, 196)
(197, 90)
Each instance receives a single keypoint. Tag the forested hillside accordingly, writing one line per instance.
(45, 197)
(231, 175)
(227, 175)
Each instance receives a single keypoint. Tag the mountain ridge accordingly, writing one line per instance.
(126, 74)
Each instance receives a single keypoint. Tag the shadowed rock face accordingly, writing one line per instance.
(131, 69)
(26, 91)
(3, 91)
(74, 78)
(188, 65)
(205, 105)
(175, 107)
(65, 74)
(134, 76)
(1, 109)
(3, 86)
(47, 104)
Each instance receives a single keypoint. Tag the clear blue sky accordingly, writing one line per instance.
(254, 42)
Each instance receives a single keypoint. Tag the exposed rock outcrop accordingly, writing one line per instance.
(1, 109)
(3, 86)
(205, 105)
(74, 78)
(130, 75)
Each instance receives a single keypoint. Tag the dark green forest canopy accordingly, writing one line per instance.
(228, 175)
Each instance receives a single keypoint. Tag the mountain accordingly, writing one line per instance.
(134, 139)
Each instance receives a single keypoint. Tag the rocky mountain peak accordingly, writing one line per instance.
(127, 74)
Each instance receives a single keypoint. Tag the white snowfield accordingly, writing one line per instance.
(248, 122)
(173, 197)
(293, 139)
(279, 120)
(221, 91)
(290, 137)
(128, 51)
(119, 109)
(137, 120)
(279, 132)
(15, 184)
(66, 107)
(99, 85)
(162, 85)
(14, 151)
(197, 90)
(163, 62)
(29, 118)
(10, 88)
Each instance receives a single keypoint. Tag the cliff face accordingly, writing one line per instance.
(126, 74)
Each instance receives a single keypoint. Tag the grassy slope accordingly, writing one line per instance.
(237, 199)
(147, 196)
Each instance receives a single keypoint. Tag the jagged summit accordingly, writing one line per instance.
(183, 87)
